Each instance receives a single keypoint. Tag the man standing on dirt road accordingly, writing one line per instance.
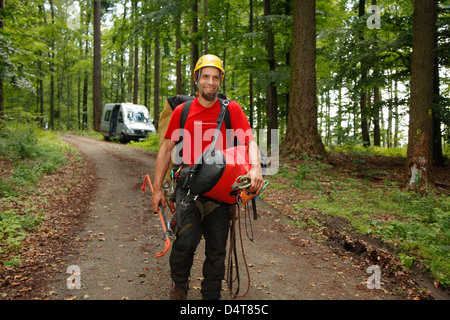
(212, 220)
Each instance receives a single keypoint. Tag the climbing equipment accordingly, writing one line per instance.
(242, 183)
(240, 189)
(209, 60)
(212, 175)
(165, 225)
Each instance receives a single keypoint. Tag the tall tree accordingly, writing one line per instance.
(136, 54)
(250, 84)
(179, 74)
(301, 131)
(271, 91)
(420, 135)
(194, 40)
(86, 74)
(2, 96)
(97, 71)
(157, 69)
(52, 68)
(363, 99)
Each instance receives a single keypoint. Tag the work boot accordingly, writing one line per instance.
(179, 291)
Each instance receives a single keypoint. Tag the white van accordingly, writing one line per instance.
(126, 121)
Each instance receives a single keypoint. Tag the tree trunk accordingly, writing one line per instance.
(156, 80)
(179, 73)
(2, 96)
(68, 102)
(301, 131)
(271, 90)
(420, 135)
(363, 98)
(205, 27)
(136, 58)
(146, 72)
(194, 41)
(97, 72)
(396, 119)
(52, 70)
(85, 95)
(438, 157)
(79, 101)
(288, 56)
(376, 116)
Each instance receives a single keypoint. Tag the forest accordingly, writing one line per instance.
(342, 71)
(340, 75)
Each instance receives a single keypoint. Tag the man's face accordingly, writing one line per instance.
(209, 82)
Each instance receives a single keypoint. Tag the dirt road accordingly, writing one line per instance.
(118, 260)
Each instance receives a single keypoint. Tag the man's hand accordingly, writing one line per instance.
(257, 182)
(161, 166)
(158, 198)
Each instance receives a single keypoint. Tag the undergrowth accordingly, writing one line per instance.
(370, 150)
(418, 226)
(150, 144)
(28, 153)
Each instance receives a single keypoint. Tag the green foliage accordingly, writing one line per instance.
(14, 227)
(18, 141)
(31, 154)
(370, 150)
(37, 42)
(418, 226)
(151, 143)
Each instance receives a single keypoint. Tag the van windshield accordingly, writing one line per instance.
(137, 117)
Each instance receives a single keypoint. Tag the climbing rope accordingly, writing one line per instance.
(240, 187)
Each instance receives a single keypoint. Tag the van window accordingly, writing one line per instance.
(137, 117)
(120, 118)
(107, 115)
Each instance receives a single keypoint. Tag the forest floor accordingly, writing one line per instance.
(99, 220)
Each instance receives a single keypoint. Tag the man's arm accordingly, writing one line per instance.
(257, 182)
(161, 166)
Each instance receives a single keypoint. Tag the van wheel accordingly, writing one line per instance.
(122, 138)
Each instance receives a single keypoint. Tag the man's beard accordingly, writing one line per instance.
(209, 96)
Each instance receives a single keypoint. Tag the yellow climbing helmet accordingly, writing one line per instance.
(209, 60)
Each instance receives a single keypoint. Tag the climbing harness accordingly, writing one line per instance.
(240, 188)
(165, 225)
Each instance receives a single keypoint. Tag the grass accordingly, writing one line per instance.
(28, 154)
(370, 150)
(150, 144)
(418, 226)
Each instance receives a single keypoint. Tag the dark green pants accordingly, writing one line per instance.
(191, 225)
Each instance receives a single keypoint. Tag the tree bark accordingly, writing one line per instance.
(376, 115)
(438, 157)
(52, 70)
(301, 132)
(271, 90)
(420, 135)
(156, 80)
(179, 73)
(194, 41)
(136, 58)
(2, 94)
(97, 74)
(363, 97)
